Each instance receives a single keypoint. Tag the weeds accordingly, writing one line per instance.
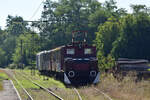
(3, 76)
(127, 89)
(50, 83)
(1, 86)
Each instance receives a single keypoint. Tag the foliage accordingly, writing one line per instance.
(66, 16)
(14, 28)
(107, 34)
(2, 57)
(26, 48)
(134, 39)
(125, 37)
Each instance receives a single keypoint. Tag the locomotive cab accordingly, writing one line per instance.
(80, 63)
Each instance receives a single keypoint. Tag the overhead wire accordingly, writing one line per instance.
(34, 14)
(36, 11)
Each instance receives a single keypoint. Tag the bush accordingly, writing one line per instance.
(12, 66)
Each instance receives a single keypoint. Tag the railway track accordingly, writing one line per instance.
(51, 92)
(74, 89)
(79, 96)
(42, 87)
(25, 91)
(105, 95)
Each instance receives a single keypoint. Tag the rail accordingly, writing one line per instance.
(42, 87)
(29, 96)
(108, 97)
(13, 76)
(80, 98)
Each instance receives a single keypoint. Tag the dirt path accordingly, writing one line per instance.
(9, 92)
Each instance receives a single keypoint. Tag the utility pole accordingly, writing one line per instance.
(21, 42)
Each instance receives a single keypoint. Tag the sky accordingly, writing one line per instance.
(27, 8)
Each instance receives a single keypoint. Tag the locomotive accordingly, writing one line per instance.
(73, 63)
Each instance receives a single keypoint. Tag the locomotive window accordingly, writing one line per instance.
(87, 51)
(70, 51)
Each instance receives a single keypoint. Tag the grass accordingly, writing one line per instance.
(3, 76)
(50, 82)
(128, 89)
(55, 85)
(33, 90)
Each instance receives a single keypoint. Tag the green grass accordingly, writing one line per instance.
(3, 76)
(51, 82)
(24, 82)
(56, 86)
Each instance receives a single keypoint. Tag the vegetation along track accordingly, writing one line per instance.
(42, 87)
(107, 96)
(27, 93)
(23, 75)
(73, 92)
(9, 73)
(74, 89)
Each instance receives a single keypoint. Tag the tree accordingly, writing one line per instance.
(1, 36)
(134, 38)
(15, 27)
(66, 16)
(107, 34)
(2, 58)
(139, 9)
(26, 48)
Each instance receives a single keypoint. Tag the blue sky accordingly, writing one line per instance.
(26, 8)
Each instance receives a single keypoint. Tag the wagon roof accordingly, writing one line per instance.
(131, 61)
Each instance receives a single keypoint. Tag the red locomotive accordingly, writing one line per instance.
(74, 63)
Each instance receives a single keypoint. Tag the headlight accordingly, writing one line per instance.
(92, 73)
(71, 74)
(148, 69)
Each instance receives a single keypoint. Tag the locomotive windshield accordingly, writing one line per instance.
(70, 51)
(87, 51)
